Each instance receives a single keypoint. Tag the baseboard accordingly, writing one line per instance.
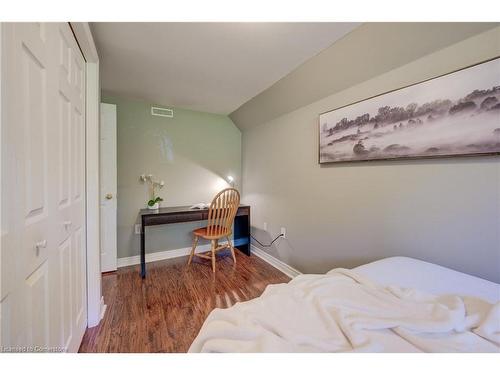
(161, 255)
(103, 308)
(169, 254)
(275, 262)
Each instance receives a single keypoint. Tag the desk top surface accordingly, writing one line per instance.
(175, 210)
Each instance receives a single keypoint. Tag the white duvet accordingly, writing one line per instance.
(344, 312)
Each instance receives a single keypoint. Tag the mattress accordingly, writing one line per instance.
(363, 310)
(428, 277)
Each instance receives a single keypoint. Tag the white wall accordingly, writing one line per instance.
(445, 211)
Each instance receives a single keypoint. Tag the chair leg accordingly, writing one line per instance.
(195, 242)
(214, 246)
(232, 248)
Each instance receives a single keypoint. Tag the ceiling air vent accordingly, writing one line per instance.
(163, 112)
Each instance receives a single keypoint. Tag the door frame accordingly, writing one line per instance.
(1, 125)
(95, 301)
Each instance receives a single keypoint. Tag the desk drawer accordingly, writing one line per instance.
(173, 218)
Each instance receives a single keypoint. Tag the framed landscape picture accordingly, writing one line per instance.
(454, 114)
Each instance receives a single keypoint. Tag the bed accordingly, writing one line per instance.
(396, 304)
(428, 277)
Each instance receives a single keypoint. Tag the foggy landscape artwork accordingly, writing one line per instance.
(455, 114)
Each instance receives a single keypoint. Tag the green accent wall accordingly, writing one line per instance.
(193, 152)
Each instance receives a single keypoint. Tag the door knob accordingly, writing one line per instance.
(41, 244)
(109, 196)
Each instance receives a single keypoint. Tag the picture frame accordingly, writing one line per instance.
(444, 116)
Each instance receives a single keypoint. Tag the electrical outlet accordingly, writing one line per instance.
(283, 232)
(137, 228)
(264, 226)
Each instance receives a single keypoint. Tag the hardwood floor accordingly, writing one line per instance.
(164, 312)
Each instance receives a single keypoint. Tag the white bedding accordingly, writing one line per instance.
(428, 277)
(345, 311)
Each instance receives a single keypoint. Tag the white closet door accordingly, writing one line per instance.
(70, 202)
(43, 242)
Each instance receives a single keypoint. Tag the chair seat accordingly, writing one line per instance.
(203, 232)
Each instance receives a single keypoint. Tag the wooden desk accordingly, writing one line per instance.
(183, 214)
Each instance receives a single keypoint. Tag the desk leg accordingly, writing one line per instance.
(242, 233)
(143, 252)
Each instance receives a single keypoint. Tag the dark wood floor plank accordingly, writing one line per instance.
(165, 311)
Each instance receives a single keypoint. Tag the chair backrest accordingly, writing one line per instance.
(222, 212)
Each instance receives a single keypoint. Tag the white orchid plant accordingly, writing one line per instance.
(153, 186)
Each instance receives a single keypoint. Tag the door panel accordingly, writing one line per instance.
(32, 143)
(66, 290)
(37, 307)
(44, 248)
(77, 270)
(76, 157)
(35, 136)
(64, 57)
(78, 77)
(64, 150)
(5, 315)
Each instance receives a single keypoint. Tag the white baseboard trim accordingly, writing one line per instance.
(103, 308)
(169, 254)
(275, 262)
(161, 255)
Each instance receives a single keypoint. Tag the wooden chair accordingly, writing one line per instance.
(220, 222)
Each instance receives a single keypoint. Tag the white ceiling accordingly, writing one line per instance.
(212, 67)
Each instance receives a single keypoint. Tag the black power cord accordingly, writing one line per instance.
(261, 244)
